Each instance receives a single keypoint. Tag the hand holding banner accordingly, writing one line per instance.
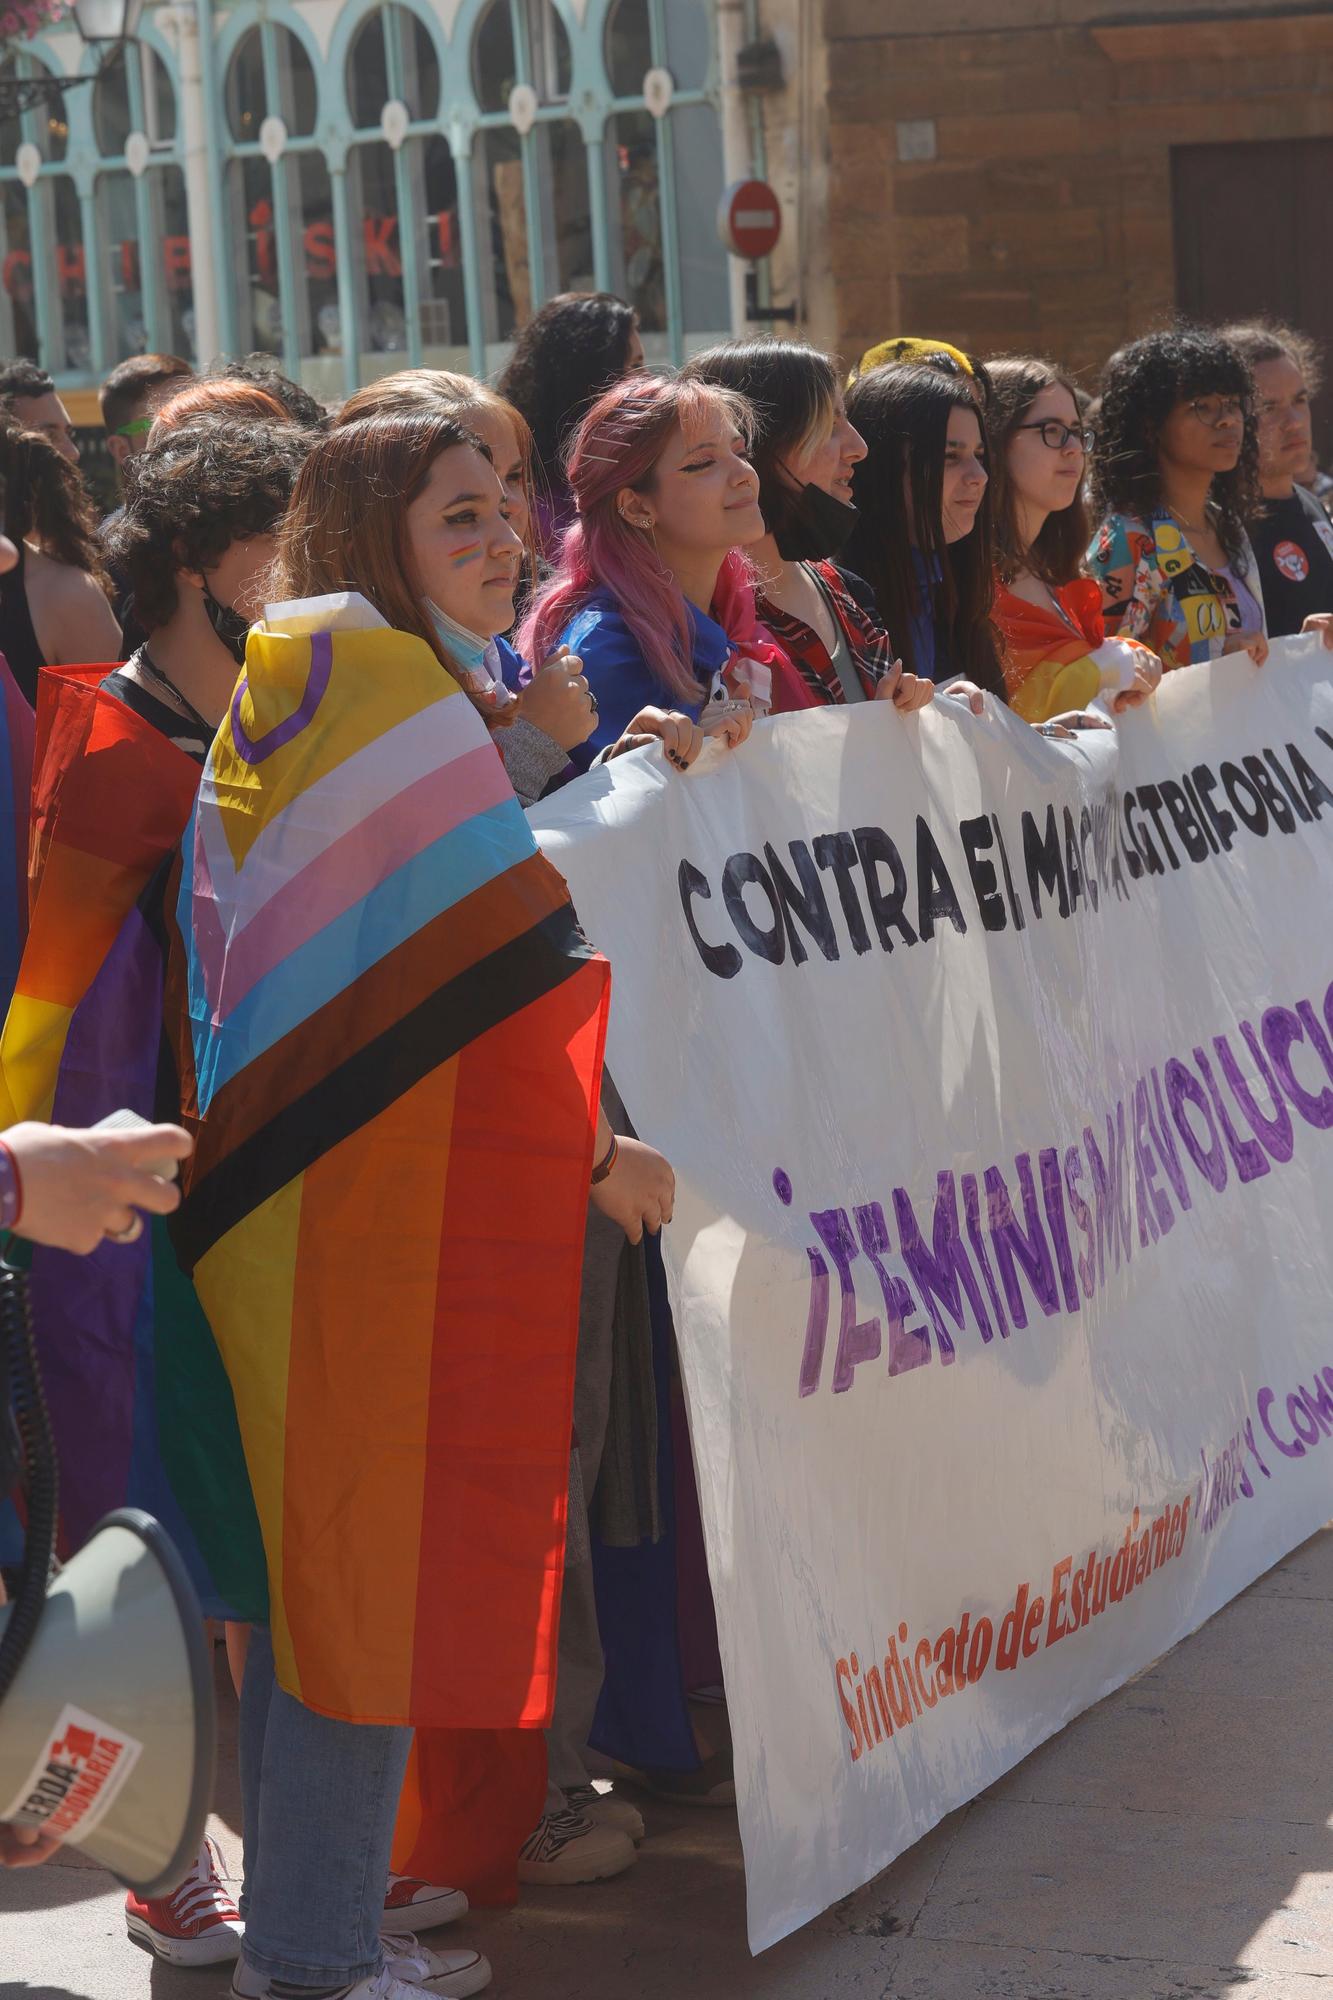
(997, 1074)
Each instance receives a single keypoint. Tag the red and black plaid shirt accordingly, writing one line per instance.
(867, 642)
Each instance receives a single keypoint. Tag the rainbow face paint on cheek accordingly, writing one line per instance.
(462, 557)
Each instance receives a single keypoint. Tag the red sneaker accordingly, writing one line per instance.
(413, 1905)
(197, 1924)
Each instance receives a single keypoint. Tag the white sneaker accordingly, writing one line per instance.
(454, 1974)
(606, 1809)
(409, 1969)
(566, 1848)
(412, 1905)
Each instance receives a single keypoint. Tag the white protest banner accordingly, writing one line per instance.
(997, 1074)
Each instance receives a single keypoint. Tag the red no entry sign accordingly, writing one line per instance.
(749, 219)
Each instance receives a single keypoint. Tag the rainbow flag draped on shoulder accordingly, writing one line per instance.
(110, 796)
(388, 1029)
(140, 1405)
(1056, 656)
(15, 793)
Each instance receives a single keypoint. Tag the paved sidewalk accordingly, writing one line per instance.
(1172, 1844)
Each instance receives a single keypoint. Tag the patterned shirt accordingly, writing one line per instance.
(1156, 589)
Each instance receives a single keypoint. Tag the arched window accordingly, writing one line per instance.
(43, 299)
(95, 258)
(534, 214)
(599, 193)
(144, 277)
(664, 177)
(406, 294)
(280, 206)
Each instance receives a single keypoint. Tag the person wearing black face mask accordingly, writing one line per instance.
(231, 626)
(804, 450)
(197, 538)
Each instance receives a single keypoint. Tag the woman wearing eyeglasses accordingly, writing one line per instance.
(1056, 657)
(1175, 476)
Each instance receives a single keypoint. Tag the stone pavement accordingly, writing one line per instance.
(1172, 1844)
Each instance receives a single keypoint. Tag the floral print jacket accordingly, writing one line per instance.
(1154, 588)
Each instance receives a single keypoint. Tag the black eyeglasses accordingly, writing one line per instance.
(1058, 435)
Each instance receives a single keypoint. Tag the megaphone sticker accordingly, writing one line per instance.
(77, 1776)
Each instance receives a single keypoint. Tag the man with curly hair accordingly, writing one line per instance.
(1292, 535)
(195, 541)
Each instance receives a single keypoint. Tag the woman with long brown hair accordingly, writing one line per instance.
(405, 512)
(1048, 612)
(54, 608)
(922, 538)
(553, 712)
(397, 535)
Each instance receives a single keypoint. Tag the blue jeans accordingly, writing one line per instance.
(319, 1800)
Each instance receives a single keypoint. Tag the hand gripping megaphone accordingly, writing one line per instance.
(107, 1722)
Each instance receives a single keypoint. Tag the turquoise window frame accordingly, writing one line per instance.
(590, 104)
(84, 164)
(269, 16)
(350, 23)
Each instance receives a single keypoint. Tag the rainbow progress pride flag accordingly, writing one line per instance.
(388, 1029)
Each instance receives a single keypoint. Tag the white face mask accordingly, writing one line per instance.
(476, 661)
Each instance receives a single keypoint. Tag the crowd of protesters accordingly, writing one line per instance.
(605, 557)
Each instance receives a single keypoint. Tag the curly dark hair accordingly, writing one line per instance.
(903, 413)
(795, 395)
(571, 350)
(300, 405)
(1056, 556)
(1141, 385)
(23, 379)
(206, 483)
(46, 501)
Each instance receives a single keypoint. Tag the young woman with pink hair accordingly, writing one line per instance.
(649, 591)
(654, 598)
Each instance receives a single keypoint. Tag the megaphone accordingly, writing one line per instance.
(107, 1723)
(107, 1734)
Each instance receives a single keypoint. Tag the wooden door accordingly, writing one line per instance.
(1254, 236)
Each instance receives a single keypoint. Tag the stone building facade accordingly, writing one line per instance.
(353, 185)
(1053, 175)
